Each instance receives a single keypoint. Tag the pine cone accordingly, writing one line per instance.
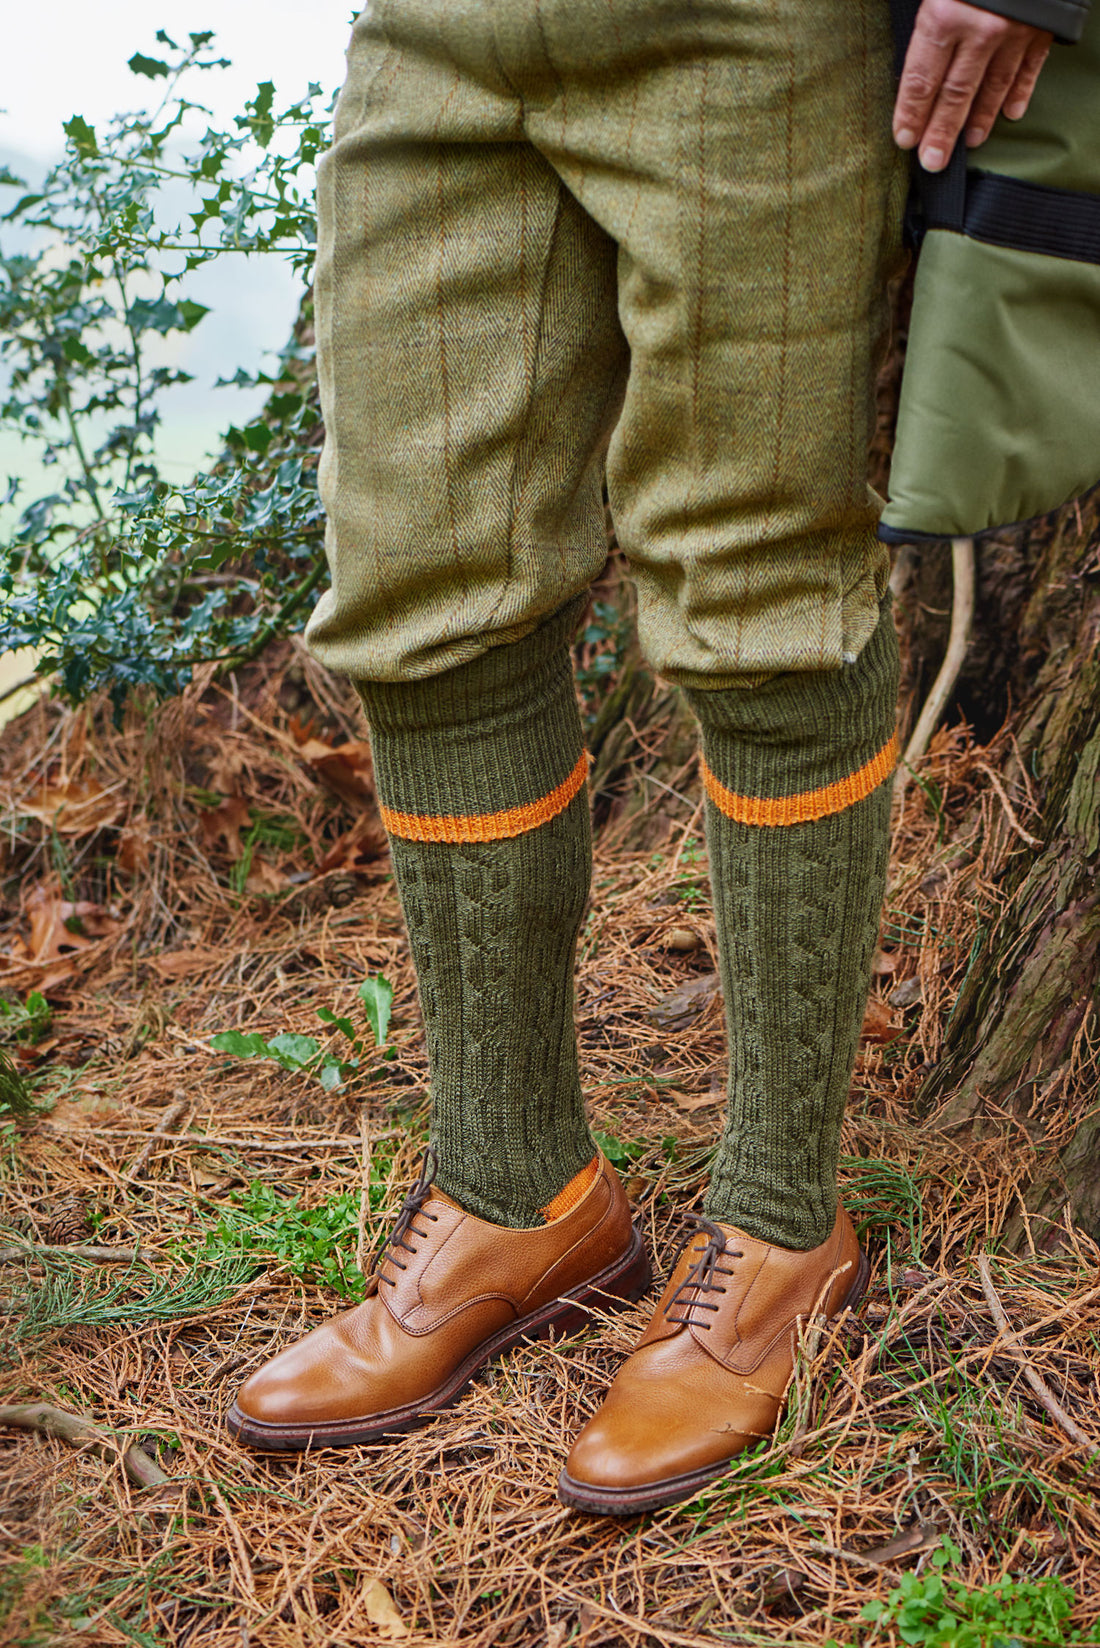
(68, 1219)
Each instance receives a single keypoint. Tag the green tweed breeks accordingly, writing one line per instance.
(554, 229)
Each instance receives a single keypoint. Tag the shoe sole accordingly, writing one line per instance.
(654, 1496)
(621, 1283)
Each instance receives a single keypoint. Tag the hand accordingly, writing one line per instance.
(964, 66)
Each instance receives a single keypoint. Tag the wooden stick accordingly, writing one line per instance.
(70, 1427)
(962, 617)
(172, 1119)
(346, 1141)
(1039, 1385)
(78, 1250)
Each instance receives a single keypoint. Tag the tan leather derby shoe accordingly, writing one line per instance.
(450, 1292)
(709, 1375)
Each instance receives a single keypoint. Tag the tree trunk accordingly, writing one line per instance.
(1019, 1042)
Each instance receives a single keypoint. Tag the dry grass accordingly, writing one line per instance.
(915, 1414)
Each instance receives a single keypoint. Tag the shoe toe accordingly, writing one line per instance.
(656, 1425)
(305, 1384)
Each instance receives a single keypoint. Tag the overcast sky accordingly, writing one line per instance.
(64, 57)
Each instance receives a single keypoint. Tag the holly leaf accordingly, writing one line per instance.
(81, 135)
(151, 67)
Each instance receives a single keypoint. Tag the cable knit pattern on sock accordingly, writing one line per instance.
(491, 848)
(797, 908)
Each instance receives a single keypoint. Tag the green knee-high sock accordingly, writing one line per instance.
(481, 777)
(798, 812)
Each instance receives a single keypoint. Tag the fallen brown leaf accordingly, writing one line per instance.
(878, 1022)
(133, 847)
(74, 807)
(347, 769)
(263, 877)
(59, 927)
(224, 823)
(358, 847)
(679, 1008)
(381, 1611)
(695, 1101)
(183, 963)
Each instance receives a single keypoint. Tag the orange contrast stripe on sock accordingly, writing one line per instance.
(568, 1197)
(809, 804)
(487, 826)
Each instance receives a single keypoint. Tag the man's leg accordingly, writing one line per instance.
(755, 246)
(798, 831)
(470, 358)
(755, 193)
(471, 361)
(482, 776)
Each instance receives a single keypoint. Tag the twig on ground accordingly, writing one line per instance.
(1038, 1384)
(1032, 840)
(857, 1557)
(361, 1239)
(91, 1254)
(70, 1427)
(172, 1119)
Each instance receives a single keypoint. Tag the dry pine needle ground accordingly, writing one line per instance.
(214, 865)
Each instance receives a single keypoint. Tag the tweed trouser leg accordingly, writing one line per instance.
(558, 239)
(551, 227)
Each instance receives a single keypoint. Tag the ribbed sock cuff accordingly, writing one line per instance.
(802, 746)
(485, 751)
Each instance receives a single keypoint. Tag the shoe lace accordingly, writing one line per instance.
(411, 1208)
(703, 1276)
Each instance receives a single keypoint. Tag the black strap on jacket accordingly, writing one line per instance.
(987, 206)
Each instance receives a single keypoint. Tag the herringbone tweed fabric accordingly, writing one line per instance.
(553, 227)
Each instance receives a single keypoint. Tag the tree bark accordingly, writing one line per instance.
(1018, 1037)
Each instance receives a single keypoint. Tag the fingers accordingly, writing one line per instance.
(1001, 73)
(926, 63)
(1016, 103)
(964, 75)
(963, 67)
